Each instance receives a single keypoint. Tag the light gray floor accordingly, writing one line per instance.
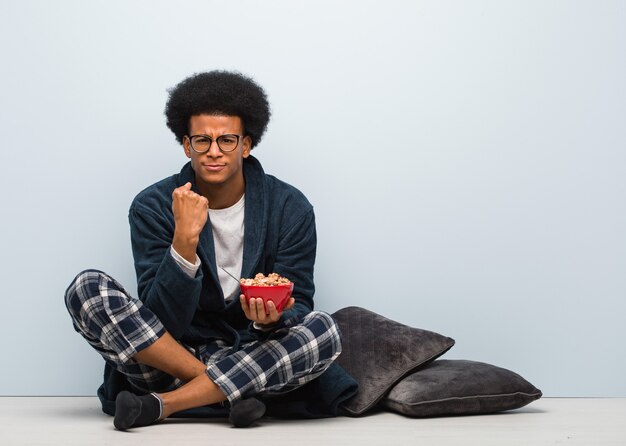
(549, 421)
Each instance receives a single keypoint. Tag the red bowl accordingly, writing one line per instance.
(279, 294)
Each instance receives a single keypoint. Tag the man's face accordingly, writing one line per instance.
(215, 167)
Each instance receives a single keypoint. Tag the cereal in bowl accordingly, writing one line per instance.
(271, 279)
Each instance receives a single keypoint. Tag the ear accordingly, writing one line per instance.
(247, 146)
(187, 146)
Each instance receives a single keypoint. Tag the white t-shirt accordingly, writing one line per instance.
(228, 226)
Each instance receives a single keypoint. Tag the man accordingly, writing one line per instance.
(192, 339)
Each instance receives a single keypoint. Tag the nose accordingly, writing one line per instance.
(214, 150)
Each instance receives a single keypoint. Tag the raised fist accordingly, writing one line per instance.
(191, 212)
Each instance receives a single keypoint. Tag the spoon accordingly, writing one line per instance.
(229, 274)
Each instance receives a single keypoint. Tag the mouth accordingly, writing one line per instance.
(213, 167)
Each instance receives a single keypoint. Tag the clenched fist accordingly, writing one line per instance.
(190, 215)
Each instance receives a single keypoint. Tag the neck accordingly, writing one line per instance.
(222, 196)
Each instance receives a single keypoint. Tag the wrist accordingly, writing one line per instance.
(186, 246)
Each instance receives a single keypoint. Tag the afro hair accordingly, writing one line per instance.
(218, 93)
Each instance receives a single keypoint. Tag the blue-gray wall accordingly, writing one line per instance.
(466, 161)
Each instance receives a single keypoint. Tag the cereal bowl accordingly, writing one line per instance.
(279, 294)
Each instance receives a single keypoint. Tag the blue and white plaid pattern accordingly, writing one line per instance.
(118, 326)
(290, 358)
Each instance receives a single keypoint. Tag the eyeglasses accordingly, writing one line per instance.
(202, 143)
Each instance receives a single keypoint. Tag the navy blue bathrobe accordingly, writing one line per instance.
(279, 237)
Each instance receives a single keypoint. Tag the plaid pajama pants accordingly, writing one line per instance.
(118, 327)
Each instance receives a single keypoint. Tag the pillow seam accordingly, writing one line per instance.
(452, 398)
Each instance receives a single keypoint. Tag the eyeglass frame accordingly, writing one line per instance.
(239, 139)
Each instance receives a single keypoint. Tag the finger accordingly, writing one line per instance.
(252, 309)
(189, 193)
(183, 188)
(273, 312)
(290, 303)
(260, 308)
(201, 202)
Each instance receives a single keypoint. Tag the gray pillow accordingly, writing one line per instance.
(456, 387)
(379, 352)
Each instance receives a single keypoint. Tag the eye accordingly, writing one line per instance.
(228, 139)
